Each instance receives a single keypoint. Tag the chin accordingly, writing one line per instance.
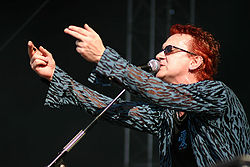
(159, 75)
(163, 76)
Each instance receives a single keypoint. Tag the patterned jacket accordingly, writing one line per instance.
(219, 129)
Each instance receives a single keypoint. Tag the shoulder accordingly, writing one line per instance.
(205, 86)
(215, 92)
(210, 84)
(216, 89)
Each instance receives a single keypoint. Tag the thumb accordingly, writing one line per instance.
(45, 52)
(88, 28)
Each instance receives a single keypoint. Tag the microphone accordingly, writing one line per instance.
(153, 66)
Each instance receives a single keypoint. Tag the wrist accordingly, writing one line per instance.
(51, 77)
(101, 53)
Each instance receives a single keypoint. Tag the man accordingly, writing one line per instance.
(198, 121)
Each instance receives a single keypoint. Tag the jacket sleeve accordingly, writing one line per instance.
(208, 97)
(64, 90)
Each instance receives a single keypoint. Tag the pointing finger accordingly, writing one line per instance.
(31, 49)
(75, 34)
(80, 30)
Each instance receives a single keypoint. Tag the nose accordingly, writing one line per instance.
(160, 56)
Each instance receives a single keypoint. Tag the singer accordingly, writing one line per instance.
(198, 121)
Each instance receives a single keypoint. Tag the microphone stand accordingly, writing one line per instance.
(58, 161)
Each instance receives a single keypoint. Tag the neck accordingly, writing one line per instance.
(186, 79)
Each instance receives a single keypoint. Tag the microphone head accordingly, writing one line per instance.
(154, 64)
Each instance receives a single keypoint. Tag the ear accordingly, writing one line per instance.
(195, 63)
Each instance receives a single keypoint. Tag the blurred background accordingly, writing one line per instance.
(32, 135)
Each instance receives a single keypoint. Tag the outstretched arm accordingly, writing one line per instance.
(204, 97)
(64, 90)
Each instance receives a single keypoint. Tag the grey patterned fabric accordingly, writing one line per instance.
(219, 129)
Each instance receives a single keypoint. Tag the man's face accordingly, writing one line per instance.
(175, 65)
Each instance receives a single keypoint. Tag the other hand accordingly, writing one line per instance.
(41, 61)
(89, 43)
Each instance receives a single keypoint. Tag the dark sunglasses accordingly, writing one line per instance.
(169, 48)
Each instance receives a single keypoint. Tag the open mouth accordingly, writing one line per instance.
(162, 65)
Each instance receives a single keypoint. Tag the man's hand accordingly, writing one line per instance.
(41, 61)
(89, 43)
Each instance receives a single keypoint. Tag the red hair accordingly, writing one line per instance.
(203, 45)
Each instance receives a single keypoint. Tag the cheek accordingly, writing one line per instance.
(178, 65)
(179, 61)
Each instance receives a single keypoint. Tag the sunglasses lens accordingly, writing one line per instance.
(168, 49)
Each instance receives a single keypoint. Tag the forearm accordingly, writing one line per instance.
(139, 116)
(194, 97)
(64, 90)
